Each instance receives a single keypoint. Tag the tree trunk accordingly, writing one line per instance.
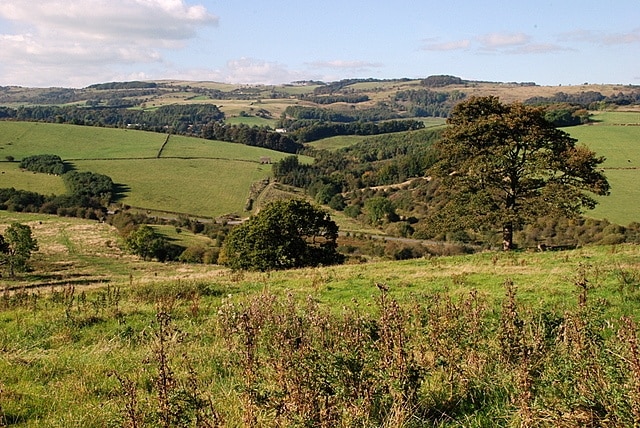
(507, 236)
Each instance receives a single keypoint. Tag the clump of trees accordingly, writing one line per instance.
(441, 80)
(145, 242)
(89, 185)
(16, 246)
(87, 195)
(428, 103)
(251, 136)
(283, 235)
(48, 164)
(566, 115)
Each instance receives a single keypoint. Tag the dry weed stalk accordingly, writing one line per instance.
(629, 336)
(133, 419)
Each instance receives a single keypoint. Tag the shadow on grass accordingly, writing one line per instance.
(52, 280)
(120, 191)
(69, 166)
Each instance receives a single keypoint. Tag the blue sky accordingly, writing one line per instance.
(74, 43)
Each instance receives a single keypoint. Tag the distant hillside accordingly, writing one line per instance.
(271, 100)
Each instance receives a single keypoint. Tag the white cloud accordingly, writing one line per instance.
(66, 42)
(244, 71)
(503, 40)
(345, 65)
(538, 48)
(435, 45)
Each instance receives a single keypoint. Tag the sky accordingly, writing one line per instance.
(76, 43)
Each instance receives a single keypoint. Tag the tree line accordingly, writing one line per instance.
(251, 136)
(177, 118)
(428, 103)
(301, 114)
(320, 130)
(591, 100)
(334, 98)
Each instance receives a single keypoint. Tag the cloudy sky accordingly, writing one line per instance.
(75, 43)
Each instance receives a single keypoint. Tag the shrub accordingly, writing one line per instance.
(284, 235)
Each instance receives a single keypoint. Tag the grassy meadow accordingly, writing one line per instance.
(200, 187)
(192, 176)
(93, 337)
(616, 136)
(21, 139)
(12, 176)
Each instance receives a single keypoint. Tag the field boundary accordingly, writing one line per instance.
(166, 140)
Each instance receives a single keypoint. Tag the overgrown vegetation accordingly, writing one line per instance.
(458, 347)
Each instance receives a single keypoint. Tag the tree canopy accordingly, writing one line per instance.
(16, 247)
(145, 242)
(506, 165)
(283, 235)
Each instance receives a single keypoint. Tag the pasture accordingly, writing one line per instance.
(212, 178)
(12, 176)
(200, 187)
(193, 176)
(616, 136)
(21, 139)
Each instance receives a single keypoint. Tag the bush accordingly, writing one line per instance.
(284, 235)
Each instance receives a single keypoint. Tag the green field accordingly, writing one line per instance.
(251, 121)
(179, 146)
(201, 187)
(20, 139)
(12, 176)
(339, 142)
(616, 136)
(193, 176)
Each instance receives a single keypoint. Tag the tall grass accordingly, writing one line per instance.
(484, 340)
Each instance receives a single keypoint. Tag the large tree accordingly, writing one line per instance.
(505, 165)
(16, 247)
(283, 235)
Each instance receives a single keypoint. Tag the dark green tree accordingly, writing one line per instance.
(16, 247)
(283, 235)
(379, 209)
(506, 165)
(89, 185)
(145, 242)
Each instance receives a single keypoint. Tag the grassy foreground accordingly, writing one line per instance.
(95, 338)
